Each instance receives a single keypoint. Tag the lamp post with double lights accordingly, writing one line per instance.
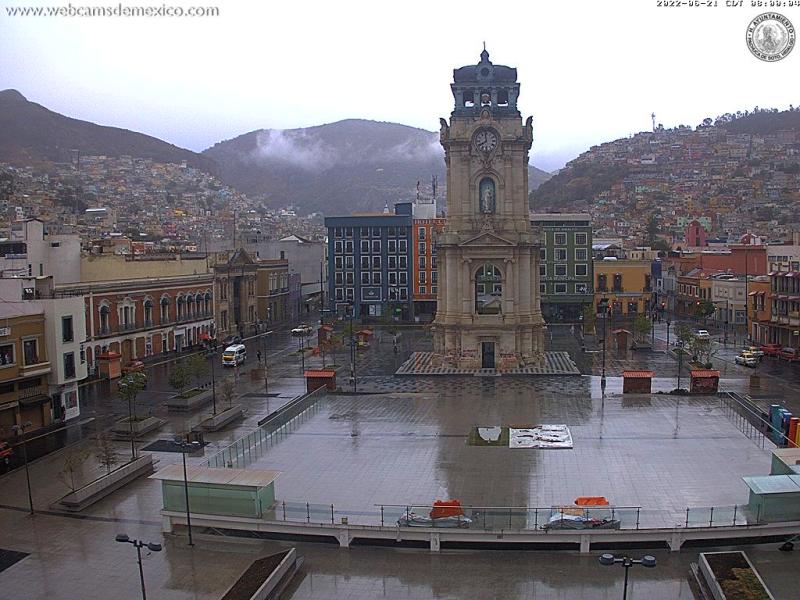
(187, 448)
(604, 308)
(20, 431)
(138, 544)
(608, 560)
(351, 310)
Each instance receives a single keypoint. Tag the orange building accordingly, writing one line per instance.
(425, 274)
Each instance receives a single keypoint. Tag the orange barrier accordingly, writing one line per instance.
(794, 425)
(446, 508)
(591, 501)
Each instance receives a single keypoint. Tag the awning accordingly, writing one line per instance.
(320, 374)
(34, 400)
(205, 336)
(637, 374)
(703, 373)
(752, 293)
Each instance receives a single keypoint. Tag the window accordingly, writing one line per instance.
(580, 239)
(348, 294)
(542, 288)
(542, 270)
(164, 310)
(403, 278)
(433, 262)
(421, 262)
(581, 270)
(617, 282)
(580, 254)
(542, 253)
(338, 278)
(337, 247)
(148, 312)
(488, 290)
(392, 246)
(376, 246)
(337, 262)
(364, 262)
(392, 293)
(365, 232)
(392, 278)
(376, 278)
(348, 278)
(339, 293)
(364, 246)
(602, 282)
(560, 239)
(402, 262)
(647, 283)
(392, 262)
(364, 277)
(104, 325)
(69, 365)
(561, 254)
(348, 262)
(337, 232)
(403, 293)
(422, 248)
(421, 234)
(434, 289)
(29, 352)
(561, 270)
(67, 335)
(560, 288)
(423, 289)
(434, 276)
(348, 247)
(402, 246)
(376, 262)
(581, 288)
(422, 275)
(348, 232)
(392, 232)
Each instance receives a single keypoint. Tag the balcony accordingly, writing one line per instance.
(30, 392)
(36, 368)
(127, 326)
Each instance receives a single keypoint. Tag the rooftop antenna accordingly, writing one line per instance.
(417, 191)
(433, 185)
(653, 116)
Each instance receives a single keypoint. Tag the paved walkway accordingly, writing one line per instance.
(428, 363)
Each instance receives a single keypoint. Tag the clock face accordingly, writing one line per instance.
(486, 141)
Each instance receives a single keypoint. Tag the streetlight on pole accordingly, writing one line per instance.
(187, 447)
(646, 561)
(351, 310)
(213, 354)
(604, 307)
(138, 544)
(20, 431)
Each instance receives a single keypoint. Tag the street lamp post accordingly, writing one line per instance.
(266, 384)
(351, 309)
(604, 308)
(668, 324)
(20, 431)
(627, 562)
(212, 353)
(138, 544)
(187, 447)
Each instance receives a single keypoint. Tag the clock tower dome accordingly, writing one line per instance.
(488, 310)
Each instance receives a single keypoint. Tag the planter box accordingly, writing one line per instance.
(716, 567)
(221, 419)
(122, 428)
(102, 487)
(275, 577)
(179, 403)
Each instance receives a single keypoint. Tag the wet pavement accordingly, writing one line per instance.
(404, 440)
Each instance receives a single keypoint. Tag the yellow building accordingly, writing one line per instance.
(625, 284)
(24, 369)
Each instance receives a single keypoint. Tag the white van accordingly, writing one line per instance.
(234, 355)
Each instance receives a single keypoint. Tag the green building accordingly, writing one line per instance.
(565, 267)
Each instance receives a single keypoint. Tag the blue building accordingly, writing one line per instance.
(370, 259)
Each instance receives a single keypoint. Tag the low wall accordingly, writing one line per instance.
(100, 488)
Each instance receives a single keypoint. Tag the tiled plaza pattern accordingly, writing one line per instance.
(425, 363)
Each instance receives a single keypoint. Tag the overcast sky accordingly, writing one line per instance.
(590, 71)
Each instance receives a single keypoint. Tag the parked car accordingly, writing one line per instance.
(231, 340)
(771, 349)
(302, 330)
(133, 367)
(789, 354)
(702, 334)
(747, 359)
(757, 352)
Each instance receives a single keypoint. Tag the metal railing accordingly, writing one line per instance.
(275, 428)
(518, 518)
(746, 415)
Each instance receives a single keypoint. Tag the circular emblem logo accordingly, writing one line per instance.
(770, 37)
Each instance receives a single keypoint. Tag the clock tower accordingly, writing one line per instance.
(488, 310)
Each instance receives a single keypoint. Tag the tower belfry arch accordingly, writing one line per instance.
(488, 311)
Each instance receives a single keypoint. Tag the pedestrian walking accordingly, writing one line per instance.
(258, 356)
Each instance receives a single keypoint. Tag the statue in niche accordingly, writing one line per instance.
(487, 196)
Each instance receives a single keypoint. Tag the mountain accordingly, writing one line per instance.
(337, 168)
(31, 135)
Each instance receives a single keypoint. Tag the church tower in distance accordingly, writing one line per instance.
(488, 314)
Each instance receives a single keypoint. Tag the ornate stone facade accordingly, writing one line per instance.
(488, 313)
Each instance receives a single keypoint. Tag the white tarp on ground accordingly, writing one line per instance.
(490, 434)
(541, 436)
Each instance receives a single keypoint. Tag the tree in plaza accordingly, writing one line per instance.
(684, 334)
(589, 318)
(196, 366)
(73, 463)
(105, 451)
(179, 378)
(228, 390)
(705, 308)
(641, 328)
(703, 350)
(129, 387)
